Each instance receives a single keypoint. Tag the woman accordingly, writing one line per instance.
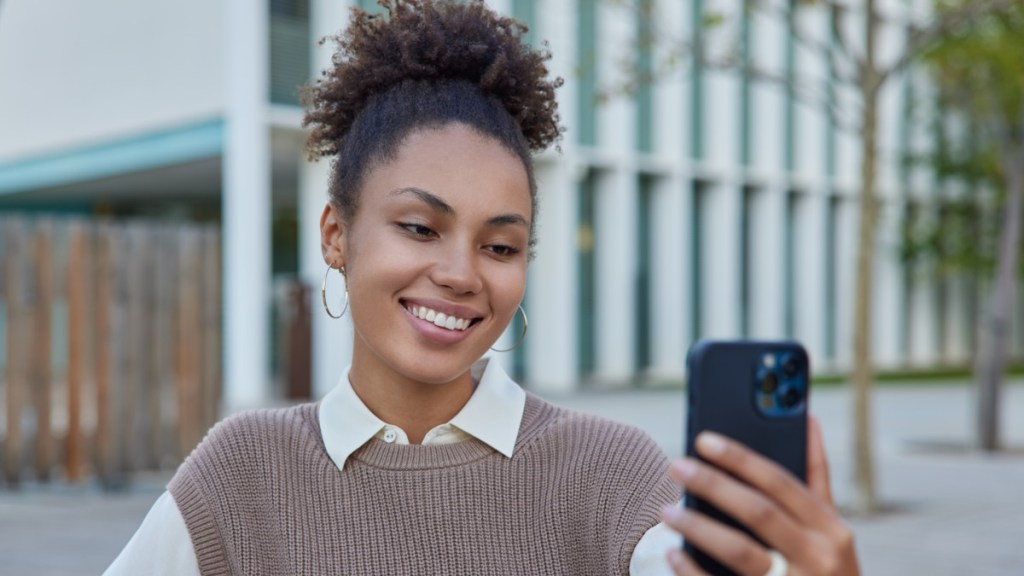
(427, 459)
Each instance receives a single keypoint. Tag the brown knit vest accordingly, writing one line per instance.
(261, 496)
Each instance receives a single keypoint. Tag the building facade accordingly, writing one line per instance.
(698, 202)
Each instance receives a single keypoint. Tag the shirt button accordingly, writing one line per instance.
(390, 436)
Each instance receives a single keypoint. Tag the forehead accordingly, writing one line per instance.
(459, 165)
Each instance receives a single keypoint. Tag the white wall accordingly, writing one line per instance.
(75, 73)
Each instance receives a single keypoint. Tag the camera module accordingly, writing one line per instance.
(769, 382)
(790, 366)
(790, 398)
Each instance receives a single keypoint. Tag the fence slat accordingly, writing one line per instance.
(136, 349)
(121, 391)
(163, 407)
(42, 342)
(189, 343)
(15, 289)
(77, 291)
(104, 451)
(211, 326)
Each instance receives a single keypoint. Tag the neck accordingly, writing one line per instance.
(415, 407)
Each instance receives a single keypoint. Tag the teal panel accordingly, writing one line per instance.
(830, 105)
(586, 313)
(697, 85)
(586, 57)
(290, 58)
(526, 12)
(644, 94)
(746, 260)
(697, 261)
(642, 308)
(831, 276)
(153, 150)
(789, 266)
(371, 6)
(789, 112)
(745, 89)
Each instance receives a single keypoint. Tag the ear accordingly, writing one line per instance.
(332, 236)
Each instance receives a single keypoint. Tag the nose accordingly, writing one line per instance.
(457, 269)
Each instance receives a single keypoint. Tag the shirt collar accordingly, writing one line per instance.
(492, 415)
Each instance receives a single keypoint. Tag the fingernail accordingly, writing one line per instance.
(710, 443)
(685, 469)
(675, 558)
(673, 514)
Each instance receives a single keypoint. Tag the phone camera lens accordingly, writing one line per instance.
(790, 367)
(769, 383)
(790, 398)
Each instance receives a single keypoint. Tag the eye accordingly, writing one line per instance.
(417, 230)
(502, 250)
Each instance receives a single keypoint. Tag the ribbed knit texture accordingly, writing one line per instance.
(260, 496)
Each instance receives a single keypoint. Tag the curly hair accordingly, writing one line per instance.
(425, 64)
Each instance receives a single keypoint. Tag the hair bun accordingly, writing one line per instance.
(432, 40)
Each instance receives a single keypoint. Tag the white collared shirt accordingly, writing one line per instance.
(492, 415)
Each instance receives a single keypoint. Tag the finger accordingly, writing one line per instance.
(683, 565)
(754, 510)
(817, 463)
(729, 546)
(767, 477)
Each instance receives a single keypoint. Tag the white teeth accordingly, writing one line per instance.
(439, 319)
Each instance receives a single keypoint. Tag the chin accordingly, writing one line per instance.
(442, 370)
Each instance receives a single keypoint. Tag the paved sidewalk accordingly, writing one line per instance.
(953, 512)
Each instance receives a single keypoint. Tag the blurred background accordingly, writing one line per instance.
(731, 169)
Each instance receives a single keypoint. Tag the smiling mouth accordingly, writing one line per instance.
(440, 319)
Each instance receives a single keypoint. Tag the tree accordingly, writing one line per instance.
(853, 55)
(979, 74)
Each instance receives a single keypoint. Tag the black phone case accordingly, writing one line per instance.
(721, 376)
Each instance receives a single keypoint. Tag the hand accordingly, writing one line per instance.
(799, 521)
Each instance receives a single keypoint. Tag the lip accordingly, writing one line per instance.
(435, 333)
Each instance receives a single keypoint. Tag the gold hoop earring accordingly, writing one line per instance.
(323, 292)
(526, 324)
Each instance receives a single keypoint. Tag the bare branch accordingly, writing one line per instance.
(811, 91)
(841, 60)
(838, 14)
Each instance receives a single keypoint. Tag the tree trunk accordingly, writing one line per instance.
(863, 371)
(866, 500)
(994, 325)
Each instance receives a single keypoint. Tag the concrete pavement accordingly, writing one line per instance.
(950, 511)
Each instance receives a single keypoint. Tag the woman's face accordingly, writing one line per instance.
(435, 257)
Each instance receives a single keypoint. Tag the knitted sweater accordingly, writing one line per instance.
(261, 496)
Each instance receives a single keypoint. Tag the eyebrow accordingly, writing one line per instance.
(431, 200)
(439, 205)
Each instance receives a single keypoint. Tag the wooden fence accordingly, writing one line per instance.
(111, 337)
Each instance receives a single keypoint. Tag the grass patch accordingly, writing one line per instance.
(951, 375)
(929, 376)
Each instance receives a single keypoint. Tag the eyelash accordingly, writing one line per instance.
(417, 230)
(504, 251)
(420, 231)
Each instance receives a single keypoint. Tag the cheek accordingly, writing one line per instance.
(510, 287)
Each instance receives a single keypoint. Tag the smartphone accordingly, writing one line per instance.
(755, 392)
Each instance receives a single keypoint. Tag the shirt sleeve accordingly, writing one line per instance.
(649, 556)
(161, 545)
